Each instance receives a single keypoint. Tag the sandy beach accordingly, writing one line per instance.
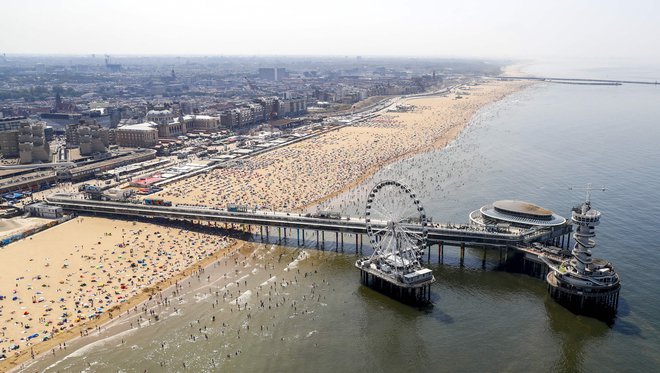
(308, 172)
(61, 283)
(83, 270)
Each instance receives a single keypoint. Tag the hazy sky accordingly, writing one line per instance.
(456, 28)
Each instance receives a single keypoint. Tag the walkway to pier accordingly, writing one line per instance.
(437, 233)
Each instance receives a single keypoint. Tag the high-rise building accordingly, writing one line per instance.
(71, 135)
(9, 144)
(32, 144)
(272, 73)
(11, 123)
(94, 139)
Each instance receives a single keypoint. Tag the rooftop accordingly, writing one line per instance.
(521, 207)
(146, 126)
(159, 112)
(516, 212)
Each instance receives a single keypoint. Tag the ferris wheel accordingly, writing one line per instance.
(397, 226)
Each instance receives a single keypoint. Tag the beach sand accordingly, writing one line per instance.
(308, 172)
(52, 282)
(46, 272)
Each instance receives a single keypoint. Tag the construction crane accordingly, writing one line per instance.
(111, 66)
(251, 84)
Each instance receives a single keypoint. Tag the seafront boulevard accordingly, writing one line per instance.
(93, 263)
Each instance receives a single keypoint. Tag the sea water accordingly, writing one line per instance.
(532, 146)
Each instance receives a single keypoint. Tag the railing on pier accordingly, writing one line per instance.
(436, 234)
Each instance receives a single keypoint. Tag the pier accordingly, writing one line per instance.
(438, 234)
(582, 81)
(532, 239)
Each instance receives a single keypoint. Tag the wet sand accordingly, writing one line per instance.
(253, 295)
(308, 172)
(289, 178)
(52, 287)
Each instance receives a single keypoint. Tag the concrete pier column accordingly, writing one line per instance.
(483, 260)
(336, 241)
(323, 239)
(462, 253)
(428, 254)
(261, 233)
(342, 241)
(356, 244)
(267, 234)
(279, 234)
(317, 238)
(298, 234)
(441, 254)
(284, 234)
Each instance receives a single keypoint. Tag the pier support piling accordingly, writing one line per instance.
(428, 254)
(483, 260)
(441, 254)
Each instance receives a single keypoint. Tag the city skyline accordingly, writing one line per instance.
(510, 29)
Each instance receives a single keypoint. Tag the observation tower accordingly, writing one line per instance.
(584, 284)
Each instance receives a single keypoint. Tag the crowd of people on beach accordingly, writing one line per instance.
(93, 277)
(52, 294)
(235, 301)
(295, 176)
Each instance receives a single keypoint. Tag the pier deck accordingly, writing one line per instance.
(436, 233)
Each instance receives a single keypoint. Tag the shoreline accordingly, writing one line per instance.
(440, 143)
(13, 362)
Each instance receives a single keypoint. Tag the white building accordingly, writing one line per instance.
(142, 135)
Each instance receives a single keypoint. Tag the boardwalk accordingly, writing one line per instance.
(436, 233)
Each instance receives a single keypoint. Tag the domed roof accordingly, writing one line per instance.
(519, 213)
(522, 208)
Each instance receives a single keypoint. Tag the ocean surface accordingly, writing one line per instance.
(303, 309)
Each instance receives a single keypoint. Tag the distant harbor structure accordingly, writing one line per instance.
(394, 267)
(584, 284)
